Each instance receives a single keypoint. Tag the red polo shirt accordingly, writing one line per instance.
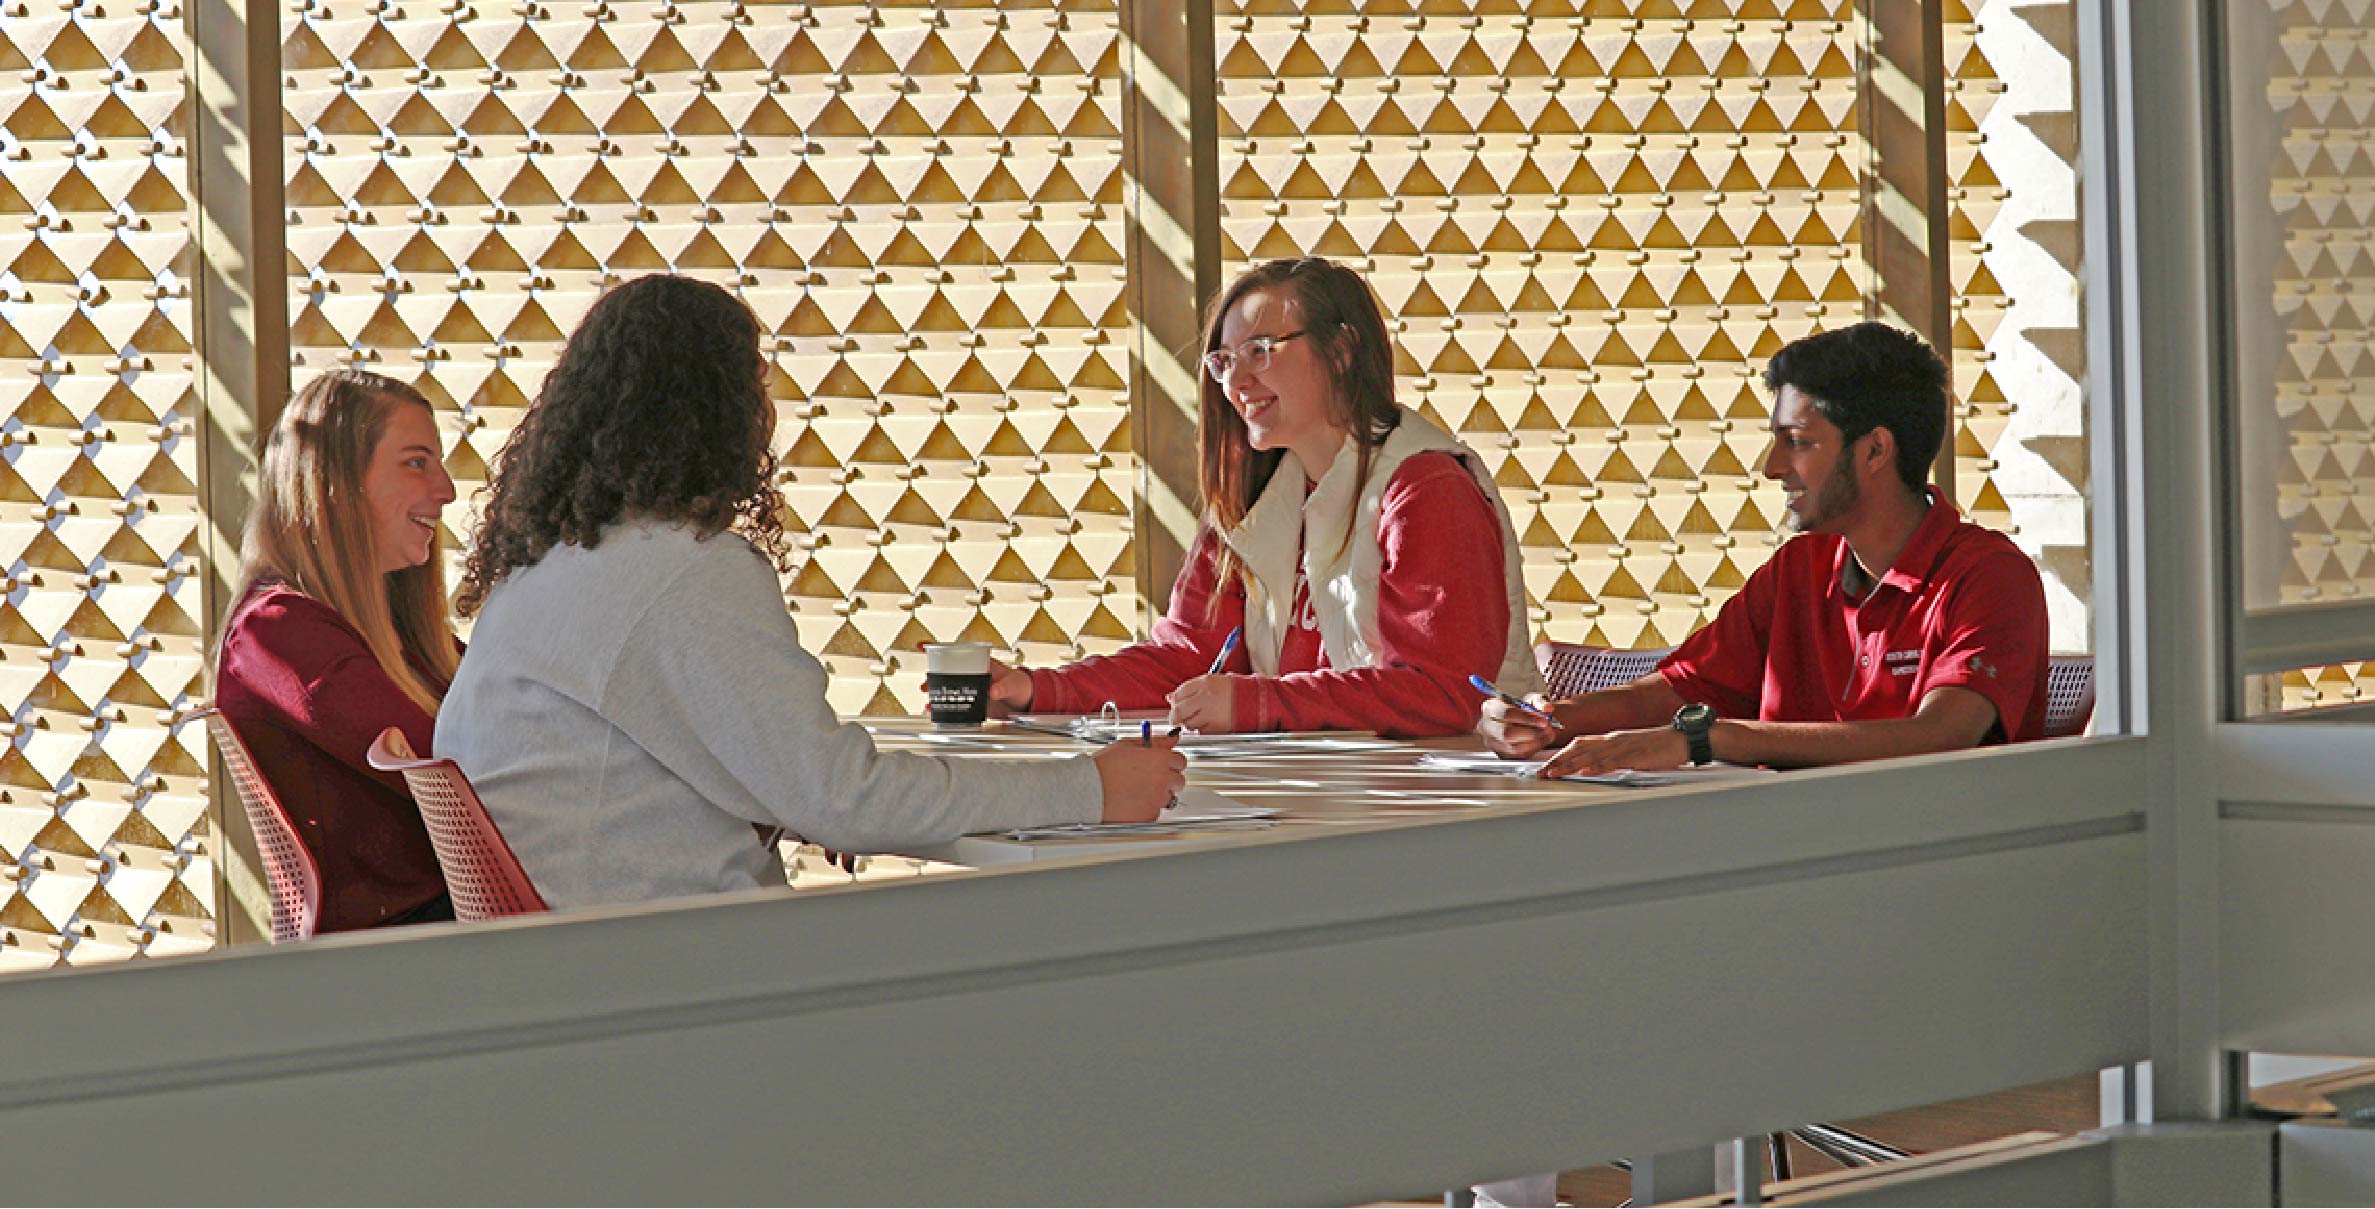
(1962, 607)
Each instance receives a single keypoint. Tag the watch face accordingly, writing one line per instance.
(1695, 716)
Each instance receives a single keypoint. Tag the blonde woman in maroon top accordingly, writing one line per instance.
(341, 631)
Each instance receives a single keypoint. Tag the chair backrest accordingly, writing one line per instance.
(481, 873)
(295, 879)
(1569, 669)
(2069, 694)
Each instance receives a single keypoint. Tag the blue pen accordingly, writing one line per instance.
(1146, 737)
(1490, 690)
(1226, 649)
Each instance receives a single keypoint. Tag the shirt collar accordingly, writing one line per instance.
(1919, 559)
(1915, 562)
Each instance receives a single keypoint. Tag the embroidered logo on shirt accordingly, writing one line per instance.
(1902, 663)
(1983, 667)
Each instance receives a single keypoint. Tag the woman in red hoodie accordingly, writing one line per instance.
(1362, 554)
(341, 632)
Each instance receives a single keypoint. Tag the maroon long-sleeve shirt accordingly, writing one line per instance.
(1442, 616)
(308, 698)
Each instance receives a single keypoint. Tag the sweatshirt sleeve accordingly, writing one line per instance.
(713, 682)
(1442, 616)
(308, 667)
(1142, 675)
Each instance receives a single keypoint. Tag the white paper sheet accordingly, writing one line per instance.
(1635, 778)
(1193, 810)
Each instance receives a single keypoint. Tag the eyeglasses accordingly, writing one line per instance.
(1254, 354)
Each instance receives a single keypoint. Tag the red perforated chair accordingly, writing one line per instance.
(481, 874)
(2069, 695)
(296, 881)
(1570, 670)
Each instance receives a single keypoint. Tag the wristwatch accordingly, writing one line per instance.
(1695, 721)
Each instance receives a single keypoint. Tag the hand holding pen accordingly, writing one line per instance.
(1516, 727)
(1146, 738)
(1138, 779)
(1208, 703)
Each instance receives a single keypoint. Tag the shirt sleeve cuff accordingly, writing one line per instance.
(1046, 793)
(1997, 693)
(1249, 703)
(1087, 801)
(1049, 694)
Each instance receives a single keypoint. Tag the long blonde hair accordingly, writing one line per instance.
(309, 529)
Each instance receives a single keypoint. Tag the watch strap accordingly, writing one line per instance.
(1695, 722)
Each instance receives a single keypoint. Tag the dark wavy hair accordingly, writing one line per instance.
(1872, 376)
(656, 410)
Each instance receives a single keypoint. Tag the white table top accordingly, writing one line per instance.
(1315, 789)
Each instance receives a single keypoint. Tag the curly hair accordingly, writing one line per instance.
(657, 409)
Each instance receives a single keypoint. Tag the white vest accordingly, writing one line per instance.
(1344, 583)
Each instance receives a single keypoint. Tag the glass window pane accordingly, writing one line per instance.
(2021, 447)
(2305, 251)
(1592, 229)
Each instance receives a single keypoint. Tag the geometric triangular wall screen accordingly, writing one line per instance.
(922, 205)
(2020, 433)
(1979, 302)
(1590, 225)
(2322, 85)
(105, 850)
(1593, 224)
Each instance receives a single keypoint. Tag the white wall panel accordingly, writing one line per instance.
(1264, 1021)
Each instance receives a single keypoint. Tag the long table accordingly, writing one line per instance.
(1357, 783)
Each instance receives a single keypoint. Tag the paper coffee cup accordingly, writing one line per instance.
(957, 682)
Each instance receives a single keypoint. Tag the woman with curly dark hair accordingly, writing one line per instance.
(635, 698)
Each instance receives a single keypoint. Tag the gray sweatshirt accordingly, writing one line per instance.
(627, 712)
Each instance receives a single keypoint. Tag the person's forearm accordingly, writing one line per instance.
(1812, 744)
(1139, 676)
(1397, 702)
(1649, 701)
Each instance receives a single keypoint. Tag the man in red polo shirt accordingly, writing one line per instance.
(1889, 626)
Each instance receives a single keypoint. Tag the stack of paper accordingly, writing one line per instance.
(1192, 810)
(1281, 743)
(1111, 728)
(1636, 778)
